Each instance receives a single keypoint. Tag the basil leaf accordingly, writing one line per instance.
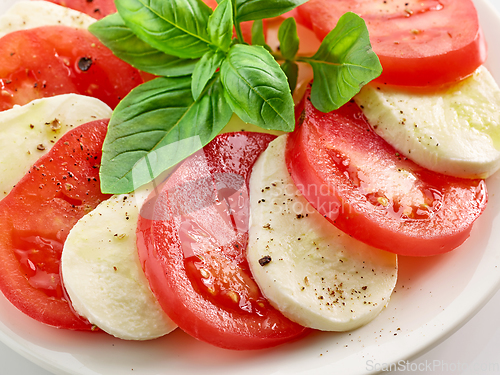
(343, 63)
(291, 70)
(220, 25)
(157, 125)
(118, 37)
(258, 36)
(250, 10)
(288, 38)
(256, 88)
(204, 71)
(177, 28)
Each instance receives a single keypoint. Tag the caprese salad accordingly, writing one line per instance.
(249, 239)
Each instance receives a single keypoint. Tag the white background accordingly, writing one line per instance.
(469, 351)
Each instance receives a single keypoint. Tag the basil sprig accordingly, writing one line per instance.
(343, 64)
(206, 75)
(118, 37)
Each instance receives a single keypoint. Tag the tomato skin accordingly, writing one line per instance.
(368, 190)
(39, 62)
(437, 70)
(36, 217)
(94, 8)
(196, 283)
(419, 43)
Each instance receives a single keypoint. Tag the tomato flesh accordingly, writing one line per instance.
(36, 217)
(94, 8)
(192, 238)
(54, 60)
(368, 190)
(419, 43)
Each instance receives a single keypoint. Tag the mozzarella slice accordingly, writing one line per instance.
(103, 275)
(28, 132)
(312, 272)
(30, 14)
(455, 131)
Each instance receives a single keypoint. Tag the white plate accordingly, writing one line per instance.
(433, 298)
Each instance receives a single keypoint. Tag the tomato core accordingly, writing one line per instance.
(39, 259)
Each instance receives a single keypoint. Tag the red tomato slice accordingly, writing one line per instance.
(35, 219)
(419, 42)
(94, 8)
(55, 60)
(368, 190)
(192, 238)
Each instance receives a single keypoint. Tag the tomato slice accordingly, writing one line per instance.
(94, 8)
(192, 238)
(419, 42)
(368, 190)
(35, 218)
(53, 60)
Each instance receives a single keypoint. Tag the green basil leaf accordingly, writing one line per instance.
(250, 10)
(258, 36)
(177, 28)
(118, 37)
(256, 88)
(157, 125)
(343, 64)
(288, 38)
(204, 71)
(220, 25)
(291, 70)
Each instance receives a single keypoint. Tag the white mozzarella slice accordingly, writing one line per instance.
(27, 132)
(30, 14)
(103, 275)
(312, 272)
(454, 131)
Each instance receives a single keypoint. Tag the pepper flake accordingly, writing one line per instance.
(265, 260)
(84, 63)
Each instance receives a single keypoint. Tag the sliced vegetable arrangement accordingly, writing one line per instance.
(237, 255)
(226, 76)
